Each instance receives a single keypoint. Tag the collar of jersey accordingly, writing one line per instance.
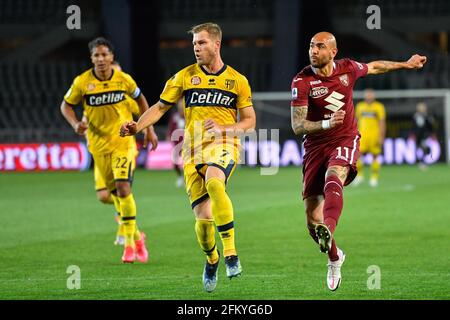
(112, 74)
(213, 74)
(315, 72)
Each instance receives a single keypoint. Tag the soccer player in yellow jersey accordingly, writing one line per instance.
(104, 93)
(214, 95)
(371, 117)
(102, 192)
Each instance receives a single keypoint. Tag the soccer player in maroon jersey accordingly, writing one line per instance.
(322, 110)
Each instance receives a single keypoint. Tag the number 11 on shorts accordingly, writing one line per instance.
(340, 156)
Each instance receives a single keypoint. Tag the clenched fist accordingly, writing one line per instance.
(81, 127)
(416, 61)
(128, 129)
(337, 118)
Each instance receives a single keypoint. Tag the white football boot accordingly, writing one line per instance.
(334, 271)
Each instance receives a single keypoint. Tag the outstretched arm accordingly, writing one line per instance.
(149, 118)
(301, 126)
(381, 66)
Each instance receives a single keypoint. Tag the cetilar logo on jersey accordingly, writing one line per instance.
(210, 98)
(104, 98)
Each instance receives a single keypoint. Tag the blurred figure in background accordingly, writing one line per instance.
(176, 124)
(104, 93)
(371, 116)
(423, 128)
(102, 192)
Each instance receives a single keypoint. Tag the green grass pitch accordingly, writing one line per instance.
(51, 221)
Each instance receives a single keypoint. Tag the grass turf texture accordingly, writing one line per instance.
(53, 220)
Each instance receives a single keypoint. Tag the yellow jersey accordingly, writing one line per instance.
(107, 106)
(134, 108)
(215, 96)
(369, 116)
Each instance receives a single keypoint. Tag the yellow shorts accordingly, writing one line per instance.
(111, 167)
(99, 182)
(369, 143)
(194, 174)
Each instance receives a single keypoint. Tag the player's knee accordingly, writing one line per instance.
(203, 210)
(334, 181)
(123, 188)
(215, 186)
(104, 196)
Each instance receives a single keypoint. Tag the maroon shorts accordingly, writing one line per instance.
(317, 159)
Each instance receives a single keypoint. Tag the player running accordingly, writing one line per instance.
(104, 93)
(102, 192)
(214, 94)
(322, 111)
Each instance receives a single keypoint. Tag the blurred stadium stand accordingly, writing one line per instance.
(263, 39)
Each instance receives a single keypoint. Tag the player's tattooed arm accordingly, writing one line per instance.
(300, 125)
(382, 66)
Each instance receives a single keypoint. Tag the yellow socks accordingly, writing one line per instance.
(128, 213)
(137, 234)
(222, 211)
(121, 229)
(116, 202)
(359, 167)
(204, 229)
(375, 169)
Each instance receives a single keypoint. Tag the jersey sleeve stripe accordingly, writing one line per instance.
(167, 102)
(70, 104)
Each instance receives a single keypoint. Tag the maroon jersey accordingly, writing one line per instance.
(325, 95)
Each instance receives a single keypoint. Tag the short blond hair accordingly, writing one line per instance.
(213, 29)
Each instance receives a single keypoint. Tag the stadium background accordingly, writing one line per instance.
(265, 40)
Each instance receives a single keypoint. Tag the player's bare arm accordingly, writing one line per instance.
(246, 123)
(149, 118)
(381, 66)
(301, 126)
(78, 126)
(149, 132)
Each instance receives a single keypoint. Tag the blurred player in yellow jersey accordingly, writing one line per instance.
(102, 192)
(371, 117)
(214, 95)
(104, 93)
